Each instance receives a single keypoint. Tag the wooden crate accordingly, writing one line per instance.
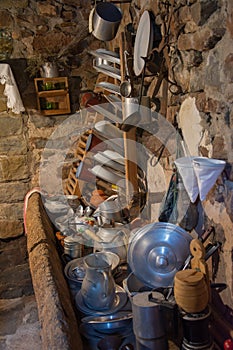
(52, 95)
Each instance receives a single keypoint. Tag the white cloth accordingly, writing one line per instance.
(207, 171)
(199, 174)
(11, 91)
(185, 168)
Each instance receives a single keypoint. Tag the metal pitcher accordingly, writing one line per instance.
(49, 70)
(98, 286)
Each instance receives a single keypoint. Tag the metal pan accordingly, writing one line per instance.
(106, 55)
(109, 322)
(107, 69)
(109, 87)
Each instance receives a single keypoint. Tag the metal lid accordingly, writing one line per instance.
(142, 300)
(72, 241)
(157, 251)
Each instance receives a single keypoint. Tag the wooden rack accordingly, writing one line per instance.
(73, 184)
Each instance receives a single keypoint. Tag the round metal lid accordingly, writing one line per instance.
(142, 299)
(157, 251)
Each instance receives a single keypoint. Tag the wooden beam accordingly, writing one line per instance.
(131, 181)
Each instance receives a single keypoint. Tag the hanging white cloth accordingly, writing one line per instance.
(11, 91)
(207, 171)
(199, 174)
(186, 170)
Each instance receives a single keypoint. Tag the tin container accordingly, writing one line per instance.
(148, 322)
(72, 248)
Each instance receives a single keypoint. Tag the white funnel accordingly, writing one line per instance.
(186, 171)
(207, 171)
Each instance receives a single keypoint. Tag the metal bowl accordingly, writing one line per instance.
(75, 269)
(111, 322)
(56, 207)
(62, 223)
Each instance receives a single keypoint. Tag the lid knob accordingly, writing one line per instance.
(161, 261)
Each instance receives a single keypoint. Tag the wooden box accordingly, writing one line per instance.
(52, 95)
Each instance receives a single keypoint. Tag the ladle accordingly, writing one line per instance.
(126, 88)
(91, 234)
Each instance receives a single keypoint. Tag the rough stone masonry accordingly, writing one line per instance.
(201, 60)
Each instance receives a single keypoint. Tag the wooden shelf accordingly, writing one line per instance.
(52, 95)
(54, 111)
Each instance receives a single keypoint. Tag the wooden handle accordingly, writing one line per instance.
(93, 236)
(198, 261)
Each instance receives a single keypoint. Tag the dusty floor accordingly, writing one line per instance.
(19, 325)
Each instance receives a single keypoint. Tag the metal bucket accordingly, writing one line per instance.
(112, 209)
(130, 106)
(106, 21)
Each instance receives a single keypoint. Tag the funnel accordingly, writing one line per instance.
(186, 171)
(207, 171)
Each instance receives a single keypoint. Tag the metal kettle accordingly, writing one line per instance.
(49, 70)
(114, 239)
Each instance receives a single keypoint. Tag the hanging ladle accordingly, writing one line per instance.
(126, 87)
(133, 119)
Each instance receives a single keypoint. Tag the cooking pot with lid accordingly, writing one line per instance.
(157, 251)
(112, 209)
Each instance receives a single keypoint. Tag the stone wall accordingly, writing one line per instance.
(14, 170)
(201, 62)
(200, 65)
(30, 29)
(205, 48)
